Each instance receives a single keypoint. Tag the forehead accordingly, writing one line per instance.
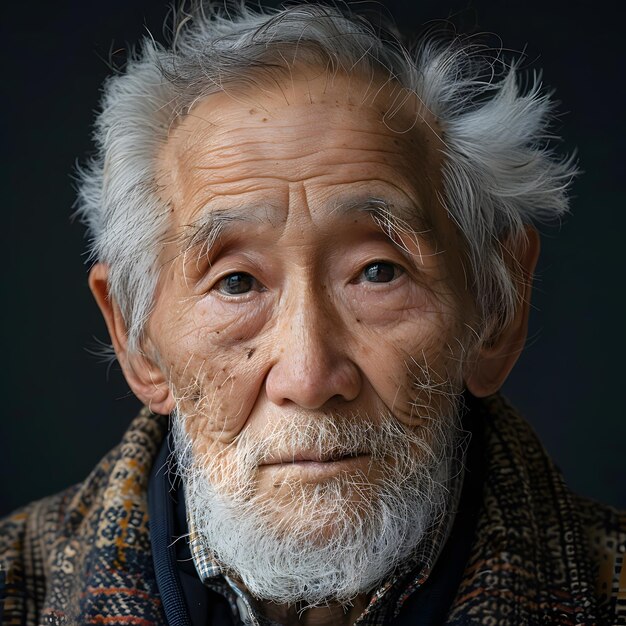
(340, 137)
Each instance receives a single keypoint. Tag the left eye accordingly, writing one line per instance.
(380, 272)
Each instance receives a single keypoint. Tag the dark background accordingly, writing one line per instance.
(63, 409)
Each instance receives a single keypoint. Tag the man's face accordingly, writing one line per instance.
(305, 282)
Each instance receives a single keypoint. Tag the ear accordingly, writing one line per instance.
(146, 379)
(496, 359)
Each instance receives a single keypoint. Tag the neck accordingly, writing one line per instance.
(327, 615)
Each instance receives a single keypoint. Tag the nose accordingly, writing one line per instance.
(312, 366)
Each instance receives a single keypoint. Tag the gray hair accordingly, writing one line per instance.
(499, 170)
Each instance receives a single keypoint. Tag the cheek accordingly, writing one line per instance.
(215, 372)
(418, 379)
(212, 402)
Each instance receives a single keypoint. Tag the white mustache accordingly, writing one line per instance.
(322, 438)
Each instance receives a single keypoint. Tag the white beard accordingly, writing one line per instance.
(326, 541)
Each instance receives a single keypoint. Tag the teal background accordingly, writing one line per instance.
(62, 409)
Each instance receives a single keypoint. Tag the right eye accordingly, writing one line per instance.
(237, 283)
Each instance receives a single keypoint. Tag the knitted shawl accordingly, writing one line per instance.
(540, 555)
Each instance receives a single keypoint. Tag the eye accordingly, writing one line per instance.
(380, 272)
(237, 283)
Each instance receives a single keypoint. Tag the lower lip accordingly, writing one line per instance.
(319, 470)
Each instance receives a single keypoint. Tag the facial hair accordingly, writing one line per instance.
(327, 541)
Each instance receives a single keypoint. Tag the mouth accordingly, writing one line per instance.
(315, 467)
(305, 457)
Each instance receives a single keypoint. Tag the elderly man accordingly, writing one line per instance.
(313, 250)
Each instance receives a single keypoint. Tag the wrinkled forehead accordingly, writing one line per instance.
(302, 119)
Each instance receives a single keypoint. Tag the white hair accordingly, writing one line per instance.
(312, 543)
(500, 171)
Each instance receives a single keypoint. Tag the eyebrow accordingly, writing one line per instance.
(209, 226)
(393, 219)
(409, 219)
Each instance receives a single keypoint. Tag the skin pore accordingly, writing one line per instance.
(304, 302)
